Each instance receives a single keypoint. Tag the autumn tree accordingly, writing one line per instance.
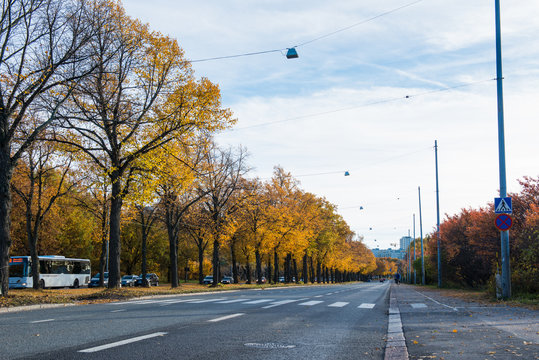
(225, 169)
(43, 53)
(45, 173)
(141, 96)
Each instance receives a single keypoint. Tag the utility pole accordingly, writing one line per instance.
(438, 217)
(421, 234)
(504, 235)
(415, 274)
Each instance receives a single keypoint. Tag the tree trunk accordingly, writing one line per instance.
(258, 267)
(332, 276)
(318, 272)
(234, 263)
(295, 274)
(215, 262)
(288, 268)
(268, 275)
(276, 266)
(305, 271)
(6, 172)
(144, 250)
(312, 269)
(115, 244)
(104, 247)
(248, 270)
(200, 262)
(173, 248)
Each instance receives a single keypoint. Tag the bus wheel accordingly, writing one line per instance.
(42, 284)
(76, 284)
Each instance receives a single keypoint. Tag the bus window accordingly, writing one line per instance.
(45, 267)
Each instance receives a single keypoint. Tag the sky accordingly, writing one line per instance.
(375, 84)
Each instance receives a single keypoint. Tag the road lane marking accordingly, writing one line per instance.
(226, 317)
(41, 321)
(258, 301)
(115, 311)
(439, 303)
(311, 303)
(339, 304)
(123, 342)
(232, 301)
(279, 303)
(170, 302)
(418, 306)
(206, 301)
(317, 296)
(366, 306)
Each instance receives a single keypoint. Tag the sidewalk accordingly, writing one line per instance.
(441, 327)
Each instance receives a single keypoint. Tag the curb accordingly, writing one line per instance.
(33, 307)
(396, 343)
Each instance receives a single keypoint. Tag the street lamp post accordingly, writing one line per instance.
(421, 234)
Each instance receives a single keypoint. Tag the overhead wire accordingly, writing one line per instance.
(309, 41)
(376, 102)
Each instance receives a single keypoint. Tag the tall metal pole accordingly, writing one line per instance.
(415, 274)
(506, 269)
(409, 258)
(421, 234)
(438, 217)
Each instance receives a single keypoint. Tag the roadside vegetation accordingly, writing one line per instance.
(470, 246)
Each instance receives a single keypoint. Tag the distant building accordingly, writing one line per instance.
(390, 253)
(405, 242)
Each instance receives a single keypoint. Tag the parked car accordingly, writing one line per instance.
(281, 279)
(94, 282)
(227, 280)
(129, 280)
(263, 279)
(382, 280)
(208, 280)
(153, 280)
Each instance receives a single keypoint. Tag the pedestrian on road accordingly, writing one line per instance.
(397, 278)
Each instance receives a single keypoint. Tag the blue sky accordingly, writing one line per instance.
(342, 104)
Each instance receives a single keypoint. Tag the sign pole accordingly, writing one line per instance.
(504, 235)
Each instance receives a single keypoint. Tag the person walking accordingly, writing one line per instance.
(397, 278)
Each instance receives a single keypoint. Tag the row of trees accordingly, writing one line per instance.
(471, 245)
(103, 125)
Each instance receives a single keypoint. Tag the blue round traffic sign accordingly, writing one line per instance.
(504, 222)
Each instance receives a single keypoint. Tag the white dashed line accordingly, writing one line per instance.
(115, 311)
(41, 321)
(418, 306)
(123, 342)
(226, 317)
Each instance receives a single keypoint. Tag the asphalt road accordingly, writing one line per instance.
(310, 322)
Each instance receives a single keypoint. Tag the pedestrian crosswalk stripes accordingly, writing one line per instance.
(268, 303)
(366, 306)
(339, 304)
(311, 303)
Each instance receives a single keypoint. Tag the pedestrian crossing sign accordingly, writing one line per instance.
(503, 205)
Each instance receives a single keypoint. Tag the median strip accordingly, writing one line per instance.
(123, 342)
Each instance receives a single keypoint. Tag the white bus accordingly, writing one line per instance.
(54, 271)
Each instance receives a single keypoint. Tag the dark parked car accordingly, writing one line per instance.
(227, 280)
(129, 280)
(208, 280)
(153, 280)
(94, 282)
